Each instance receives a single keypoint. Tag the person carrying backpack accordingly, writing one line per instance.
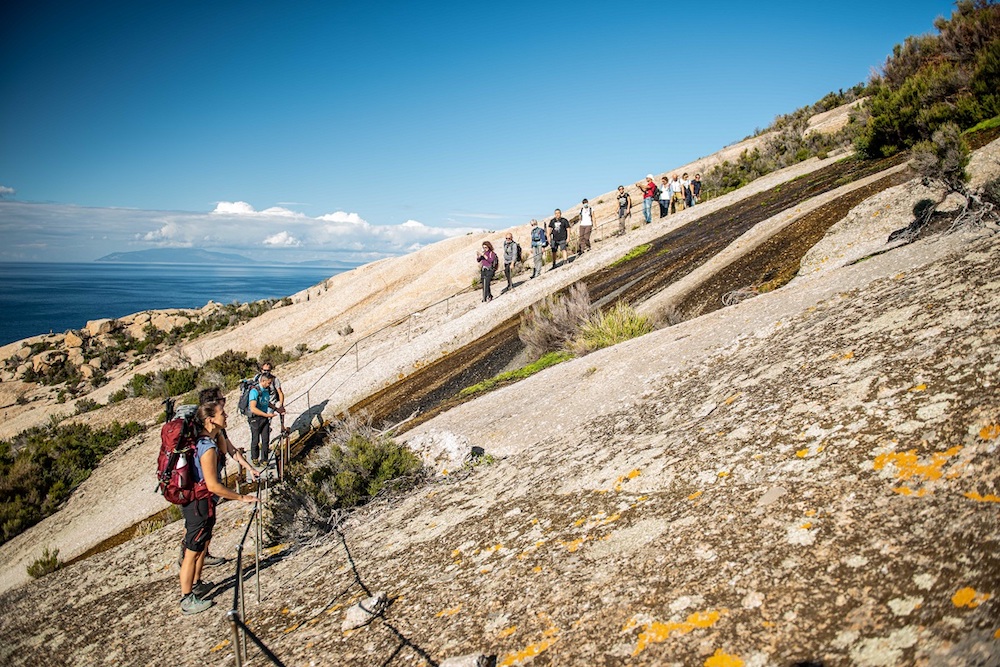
(539, 241)
(511, 255)
(260, 418)
(226, 448)
(488, 263)
(624, 208)
(199, 514)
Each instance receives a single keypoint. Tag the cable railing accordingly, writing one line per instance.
(278, 460)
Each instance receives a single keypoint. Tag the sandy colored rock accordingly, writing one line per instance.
(98, 327)
(71, 339)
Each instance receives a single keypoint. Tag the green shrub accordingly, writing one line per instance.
(606, 328)
(118, 396)
(931, 80)
(47, 564)
(85, 405)
(41, 466)
(275, 354)
(355, 464)
(231, 367)
(549, 325)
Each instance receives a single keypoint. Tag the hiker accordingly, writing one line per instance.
(664, 199)
(538, 244)
(696, 190)
(510, 252)
(686, 185)
(227, 448)
(676, 195)
(199, 514)
(260, 418)
(648, 190)
(488, 262)
(276, 391)
(586, 227)
(558, 236)
(624, 208)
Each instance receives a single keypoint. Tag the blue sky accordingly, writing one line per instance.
(351, 131)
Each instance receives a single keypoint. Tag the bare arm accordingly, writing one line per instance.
(209, 460)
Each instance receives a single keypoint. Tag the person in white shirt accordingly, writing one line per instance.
(676, 195)
(586, 227)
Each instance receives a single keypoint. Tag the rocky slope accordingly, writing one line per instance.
(807, 476)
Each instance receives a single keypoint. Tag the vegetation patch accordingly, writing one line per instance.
(47, 563)
(356, 464)
(606, 328)
(508, 377)
(40, 468)
(637, 251)
(549, 326)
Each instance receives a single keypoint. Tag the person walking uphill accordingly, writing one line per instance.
(199, 514)
(538, 244)
(488, 263)
(260, 418)
(559, 236)
(586, 227)
(511, 250)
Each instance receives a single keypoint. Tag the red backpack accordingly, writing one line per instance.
(175, 466)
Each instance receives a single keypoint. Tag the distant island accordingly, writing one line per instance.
(175, 256)
(199, 256)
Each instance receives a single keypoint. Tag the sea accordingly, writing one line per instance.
(37, 298)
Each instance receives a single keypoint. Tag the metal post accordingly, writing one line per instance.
(231, 616)
(243, 608)
(257, 536)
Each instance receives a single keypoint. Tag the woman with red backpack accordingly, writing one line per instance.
(199, 514)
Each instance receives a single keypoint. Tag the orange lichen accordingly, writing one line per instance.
(919, 387)
(656, 632)
(722, 659)
(536, 569)
(695, 495)
(810, 512)
(996, 635)
(218, 647)
(968, 597)
(731, 399)
(551, 636)
(806, 526)
(802, 453)
(988, 498)
(455, 553)
(574, 544)
(292, 628)
(909, 466)
(723, 473)
(990, 432)
(449, 612)
(507, 632)
(907, 491)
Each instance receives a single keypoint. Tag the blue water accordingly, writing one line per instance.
(39, 298)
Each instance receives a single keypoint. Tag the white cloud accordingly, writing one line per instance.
(6, 192)
(282, 239)
(233, 208)
(341, 216)
(53, 232)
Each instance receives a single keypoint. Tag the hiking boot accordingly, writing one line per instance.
(201, 589)
(211, 560)
(192, 604)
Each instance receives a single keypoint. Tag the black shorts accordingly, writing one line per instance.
(559, 245)
(199, 520)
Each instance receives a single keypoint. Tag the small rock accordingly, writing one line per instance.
(474, 660)
(24, 353)
(365, 611)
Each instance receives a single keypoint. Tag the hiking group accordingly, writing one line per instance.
(191, 467)
(673, 195)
